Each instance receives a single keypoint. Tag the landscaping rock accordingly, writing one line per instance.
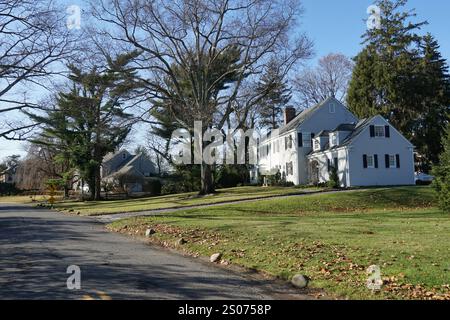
(180, 242)
(300, 281)
(149, 232)
(215, 257)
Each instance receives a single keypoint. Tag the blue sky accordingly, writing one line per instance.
(336, 26)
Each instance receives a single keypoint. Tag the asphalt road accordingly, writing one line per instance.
(38, 245)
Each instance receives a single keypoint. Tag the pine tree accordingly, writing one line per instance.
(89, 121)
(390, 57)
(403, 77)
(362, 92)
(277, 96)
(442, 174)
(435, 99)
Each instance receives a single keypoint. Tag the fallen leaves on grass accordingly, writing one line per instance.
(394, 285)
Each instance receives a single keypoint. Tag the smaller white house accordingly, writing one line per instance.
(369, 153)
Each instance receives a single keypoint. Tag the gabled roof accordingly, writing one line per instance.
(112, 155)
(357, 129)
(323, 133)
(303, 116)
(127, 166)
(360, 126)
(345, 127)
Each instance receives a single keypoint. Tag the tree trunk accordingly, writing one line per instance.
(97, 183)
(91, 185)
(207, 179)
(66, 192)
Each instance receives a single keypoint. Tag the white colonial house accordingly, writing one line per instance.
(368, 152)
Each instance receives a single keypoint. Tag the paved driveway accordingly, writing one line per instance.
(37, 246)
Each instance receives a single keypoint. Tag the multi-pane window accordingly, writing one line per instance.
(333, 139)
(370, 161)
(379, 131)
(307, 139)
(316, 145)
(392, 161)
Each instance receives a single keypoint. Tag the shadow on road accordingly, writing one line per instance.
(37, 246)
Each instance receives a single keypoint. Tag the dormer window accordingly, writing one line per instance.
(124, 155)
(316, 144)
(333, 139)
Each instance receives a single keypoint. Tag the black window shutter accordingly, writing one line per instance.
(336, 163)
(386, 160)
(300, 139)
(387, 131)
(372, 131)
(365, 161)
(328, 164)
(397, 156)
(375, 158)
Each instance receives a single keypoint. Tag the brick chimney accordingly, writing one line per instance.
(289, 114)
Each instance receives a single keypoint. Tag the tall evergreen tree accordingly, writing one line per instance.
(442, 174)
(390, 56)
(396, 75)
(89, 121)
(277, 96)
(435, 100)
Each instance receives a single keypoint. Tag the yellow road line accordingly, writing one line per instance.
(103, 295)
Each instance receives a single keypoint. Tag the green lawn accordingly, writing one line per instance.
(332, 238)
(23, 199)
(174, 201)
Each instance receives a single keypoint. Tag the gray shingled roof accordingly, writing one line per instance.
(323, 133)
(345, 127)
(360, 126)
(302, 116)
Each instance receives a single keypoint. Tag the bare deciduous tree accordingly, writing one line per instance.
(185, 45)
(42, 164)
(329, 79)
(33, 40)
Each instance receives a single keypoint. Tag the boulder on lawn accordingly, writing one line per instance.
(215, 257)
(300, 281)
(149, 232)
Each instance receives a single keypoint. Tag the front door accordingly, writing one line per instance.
(314, 172)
